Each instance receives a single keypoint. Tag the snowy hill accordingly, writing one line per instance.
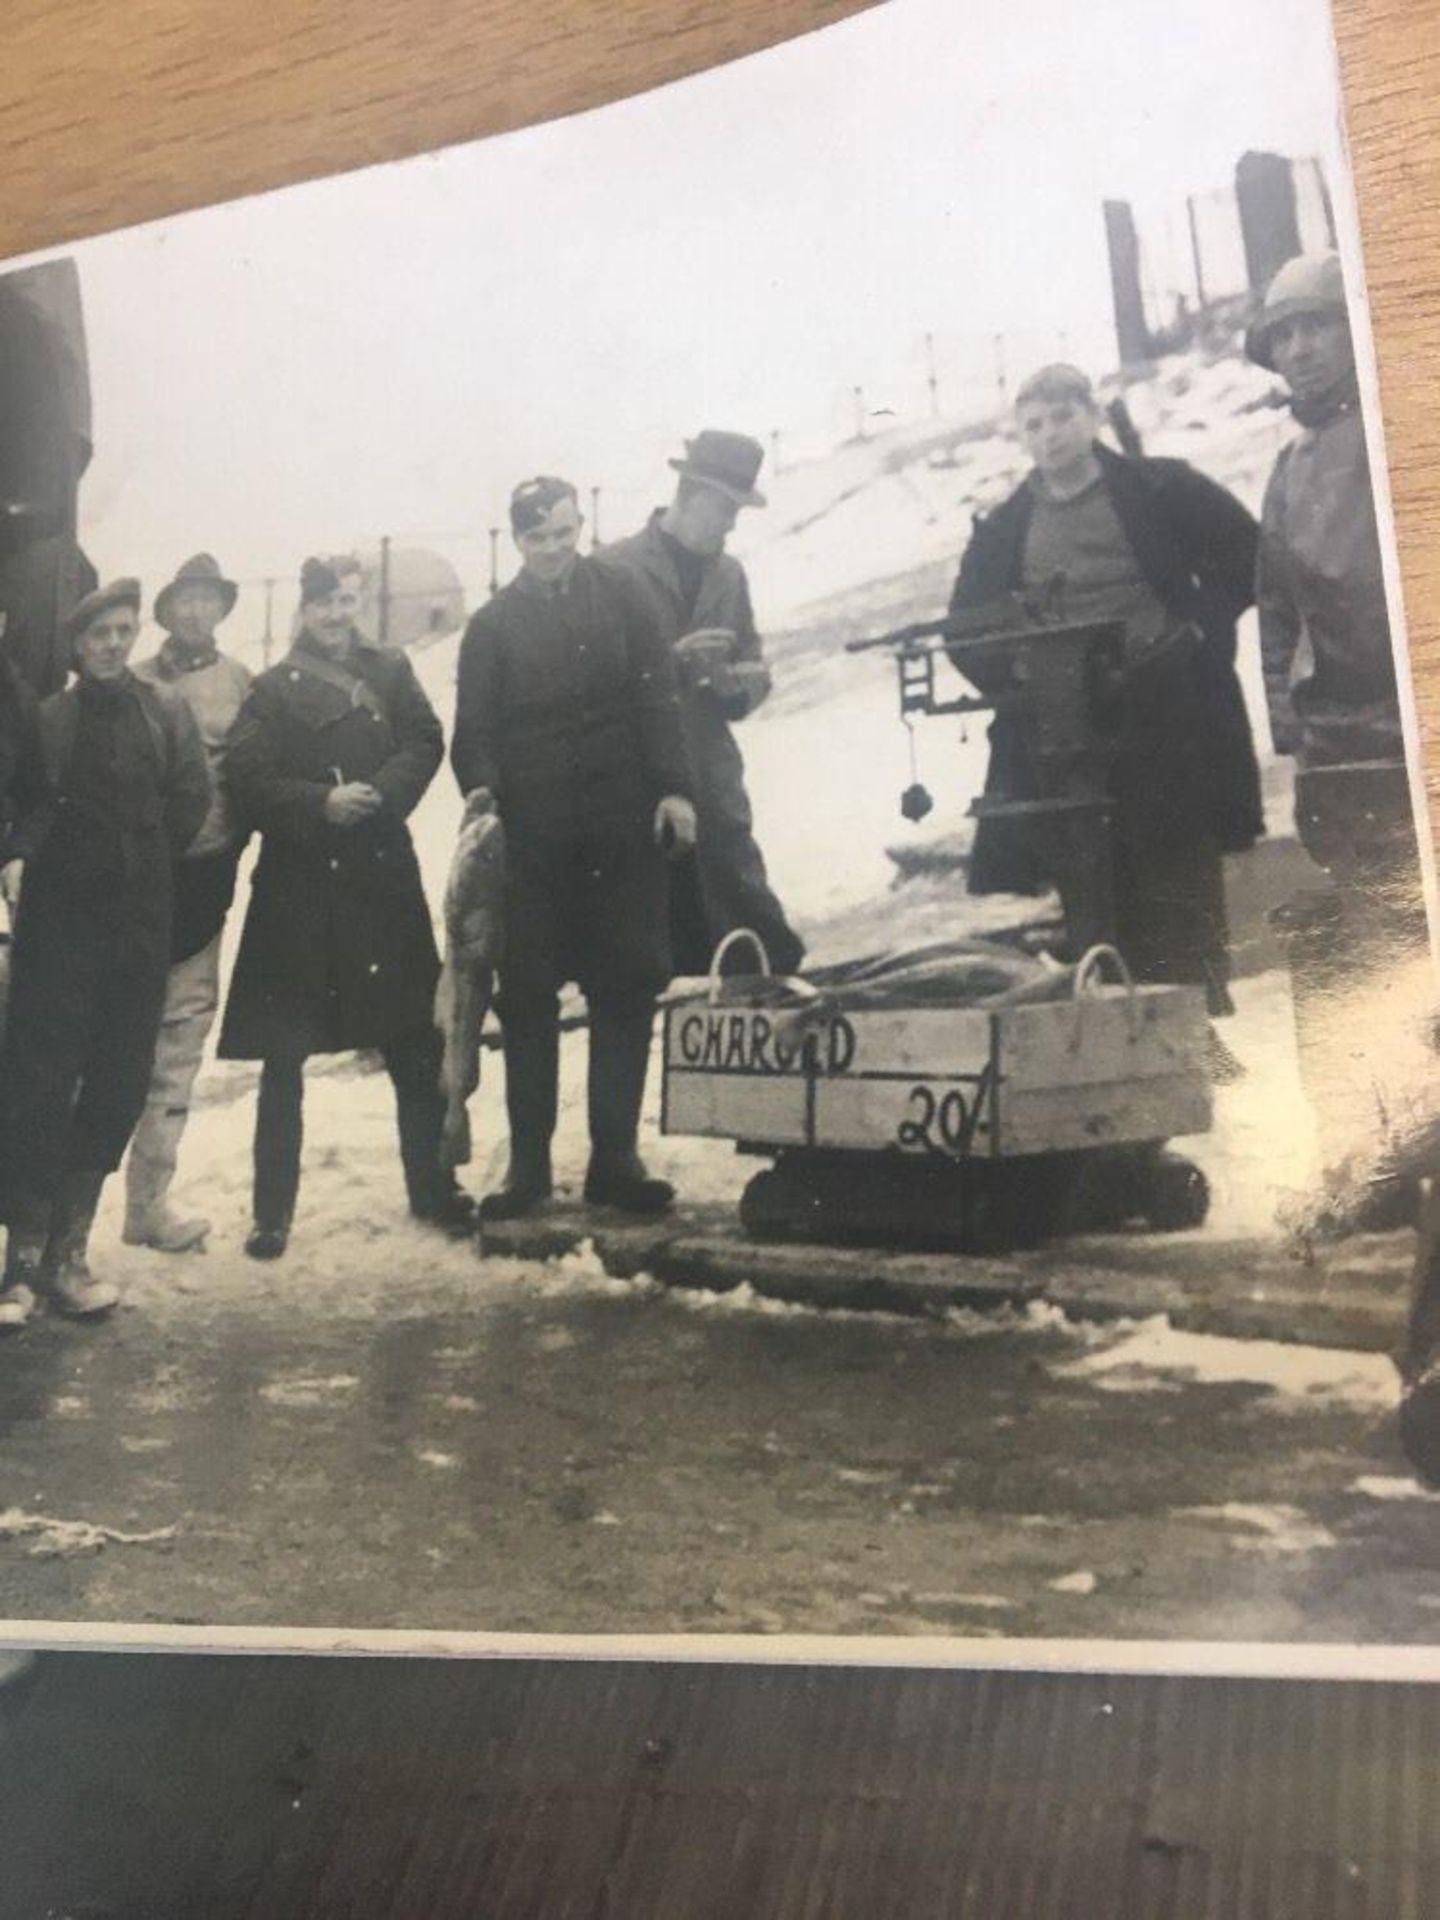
(867, 538)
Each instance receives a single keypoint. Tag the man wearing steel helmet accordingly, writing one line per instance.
(1334, 703)
(1321, 584)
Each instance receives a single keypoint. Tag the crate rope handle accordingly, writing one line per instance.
(1086, 971)
(731, 939)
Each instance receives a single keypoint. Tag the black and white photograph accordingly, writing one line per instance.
(715, 880)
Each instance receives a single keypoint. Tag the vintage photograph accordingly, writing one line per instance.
(715, 881)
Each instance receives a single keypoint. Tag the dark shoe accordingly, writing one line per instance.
(626, 1186)
(514, 1200)
(267, 1243)
(452, 1210)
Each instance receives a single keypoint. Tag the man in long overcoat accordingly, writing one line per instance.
(213, 685)
(126, 790)
(703, 598)
(567, 713)
(332, 751)
(1157, 545)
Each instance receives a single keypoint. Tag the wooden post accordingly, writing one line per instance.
(267, 639)
(383, 612)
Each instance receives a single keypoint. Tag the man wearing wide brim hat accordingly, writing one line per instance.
(213, 685)
(703, 598)
(1333, 695)
(126, 789)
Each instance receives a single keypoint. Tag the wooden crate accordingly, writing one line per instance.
(1115, 1065)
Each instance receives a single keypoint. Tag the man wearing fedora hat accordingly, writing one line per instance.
(213, 685)
(126, 790)
(703, 599)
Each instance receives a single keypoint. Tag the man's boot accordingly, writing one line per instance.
(24, 1260)
(149, 1220)
(435, 1195)
(619, 1060)
(532, 1071)
(65, 1279)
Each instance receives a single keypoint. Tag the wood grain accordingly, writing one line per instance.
(1390, 59)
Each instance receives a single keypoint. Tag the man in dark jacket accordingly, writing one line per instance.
(127, 789)
(703, 600)
(1156, 545)
(567, 712)
(332, 752)
(1359, 948)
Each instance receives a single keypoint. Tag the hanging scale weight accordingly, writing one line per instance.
(915, 801)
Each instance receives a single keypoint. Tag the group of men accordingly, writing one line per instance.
(595, 700)
(596, 696)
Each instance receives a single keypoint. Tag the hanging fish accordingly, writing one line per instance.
(474, 941)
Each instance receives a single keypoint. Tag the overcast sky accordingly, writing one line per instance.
(390, 350)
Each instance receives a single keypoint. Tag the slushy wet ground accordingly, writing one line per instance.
(384, 1430)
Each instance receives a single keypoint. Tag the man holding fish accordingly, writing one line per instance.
(568, 718)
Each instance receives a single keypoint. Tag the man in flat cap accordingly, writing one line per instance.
(213, 685)
(1334, 701)
(127, 791)
(703, 598)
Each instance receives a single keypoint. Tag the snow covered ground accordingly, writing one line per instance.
(878, 526)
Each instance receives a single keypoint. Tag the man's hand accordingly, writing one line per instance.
(10, 877)
(704, 654)
(675, 825)
(347, 806)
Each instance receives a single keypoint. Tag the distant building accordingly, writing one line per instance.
(426, 599)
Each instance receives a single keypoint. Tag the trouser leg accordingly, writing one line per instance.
(191, 997)
(620, 1030)
(531, 1030)
(413, 1063)
(119, 1060)
(279, 1133)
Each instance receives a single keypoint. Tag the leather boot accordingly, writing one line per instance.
(619, 1059)
(24, 1259)
(532, 1071)
(65, 1279)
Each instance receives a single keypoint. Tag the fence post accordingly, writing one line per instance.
(383, 612)
(267, 639)
(1132, 331)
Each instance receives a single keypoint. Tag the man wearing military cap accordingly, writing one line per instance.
(213, 685)
(333, 750)
(92, 861)
(703, 599)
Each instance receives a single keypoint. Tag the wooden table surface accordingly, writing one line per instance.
(151, 1786)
